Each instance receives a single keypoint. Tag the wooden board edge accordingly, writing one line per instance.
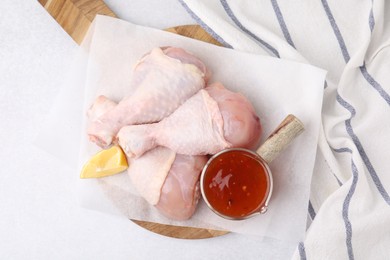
(181, 232)
(75, 16)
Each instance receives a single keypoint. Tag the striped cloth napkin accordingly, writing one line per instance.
(349, 206)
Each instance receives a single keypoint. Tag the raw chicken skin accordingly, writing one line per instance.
(238, 115)
(101, 105)
(168, 181)
(148, 172)
(195, 128)
(180, 193)
(163, 80)
(213, 119)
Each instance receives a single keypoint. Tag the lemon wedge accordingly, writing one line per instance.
(105, 163)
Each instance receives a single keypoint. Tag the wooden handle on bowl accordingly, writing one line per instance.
(280, 138)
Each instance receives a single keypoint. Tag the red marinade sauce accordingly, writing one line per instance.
(236, 184)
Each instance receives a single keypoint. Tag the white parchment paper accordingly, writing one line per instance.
(275, 87)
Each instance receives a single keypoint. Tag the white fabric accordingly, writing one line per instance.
(350, 200)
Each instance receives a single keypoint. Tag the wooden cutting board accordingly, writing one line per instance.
(75, 17)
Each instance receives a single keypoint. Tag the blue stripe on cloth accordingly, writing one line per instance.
(282, 23)
(336, 30)
(338, 180)
(302, 251)
(343, 150)
(374, 83)
(347, 201)
(371, 20)
(326, 84)
(205, 26)
(363, 69)
(230, 13)
(362, 152)
(340, 151)
(312, 212)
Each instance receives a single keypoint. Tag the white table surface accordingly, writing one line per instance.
(39, 214)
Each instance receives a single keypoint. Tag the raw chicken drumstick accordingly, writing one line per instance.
(213, 119)
(180, 193)
(163, 80)
(168, 181)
